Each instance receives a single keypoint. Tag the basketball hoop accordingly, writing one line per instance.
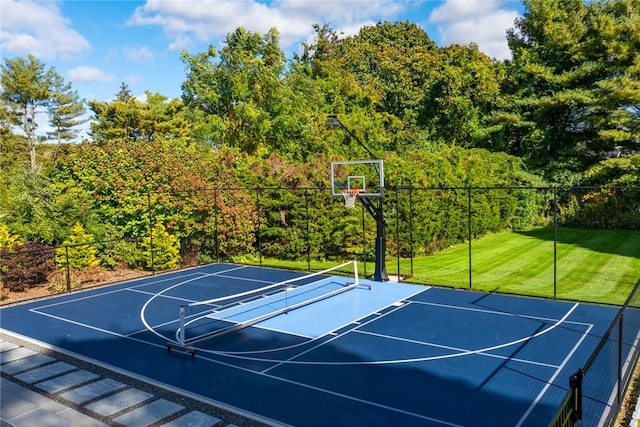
(350, 195)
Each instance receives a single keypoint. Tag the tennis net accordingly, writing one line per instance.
(231, 313)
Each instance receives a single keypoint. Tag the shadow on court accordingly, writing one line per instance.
(437, 357)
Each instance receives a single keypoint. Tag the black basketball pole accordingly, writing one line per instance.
(380, 272)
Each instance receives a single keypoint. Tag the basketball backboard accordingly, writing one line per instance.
(366, 176)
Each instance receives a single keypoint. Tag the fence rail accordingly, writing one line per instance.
(305, 228)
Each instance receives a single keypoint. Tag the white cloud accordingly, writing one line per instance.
(484, 22)
(87, 74)
(181, 42)
(138, 54)
(190, 21)
(132, 79)
(38, 28)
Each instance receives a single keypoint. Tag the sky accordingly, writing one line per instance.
(98, 45)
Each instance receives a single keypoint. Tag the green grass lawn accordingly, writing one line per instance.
(592, 265)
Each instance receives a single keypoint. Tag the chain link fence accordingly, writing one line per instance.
(451, 237)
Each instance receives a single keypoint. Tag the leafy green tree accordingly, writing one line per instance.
(127, 119)
(393, 62)
(26, 87)
(13, 155)
(29, 206)
(77, 251)
(162, 251)
(65, 110)
(240, 87)
(458, 103)
(615, 42)
(623, 171)
(573, 83)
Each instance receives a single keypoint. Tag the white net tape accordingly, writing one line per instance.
(350, 197)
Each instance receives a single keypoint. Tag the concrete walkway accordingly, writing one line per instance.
(40, 390)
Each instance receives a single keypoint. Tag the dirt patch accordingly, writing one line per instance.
(57, 284)
(630, 399)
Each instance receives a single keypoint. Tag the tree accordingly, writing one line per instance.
(616, 45)
(376, 81)
(13, 156)
(574, 83)
(29, 207)
(161, 251)
(239, 89)
(77, 251)
(124, 94)
(65, 110)
(393, 62)
(457, 105)
(26, 87)
(127, 119)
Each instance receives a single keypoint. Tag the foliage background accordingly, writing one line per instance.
(237, 165)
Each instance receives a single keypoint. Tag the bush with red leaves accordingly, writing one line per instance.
(26, 266)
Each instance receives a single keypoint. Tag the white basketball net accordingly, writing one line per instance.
(350, 197)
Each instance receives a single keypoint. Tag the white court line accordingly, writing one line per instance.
(446, 347)
(163, 296)
(95, 328)
(344, 396)
(244, 279)
(290, 361)
(498, 313)
(144, 307)
(113, 291)
(553, 377)
(328, 391)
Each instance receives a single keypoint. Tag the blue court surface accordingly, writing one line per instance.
(377, 354)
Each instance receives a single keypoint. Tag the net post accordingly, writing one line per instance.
(182, 326)
(355, 272)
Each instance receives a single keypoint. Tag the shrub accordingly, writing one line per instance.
(7, 240)
(165, 252)
(77, 251)
(27, 267)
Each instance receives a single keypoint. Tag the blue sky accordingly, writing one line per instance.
(97, 45)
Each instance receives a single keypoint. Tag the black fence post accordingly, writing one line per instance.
(469, 234)
(258, 225)
(151, 223)
(68, 272)
(216, 241)
(308, 236)
(555, 243)
(411, 228)
(575, 382)
(397, 190)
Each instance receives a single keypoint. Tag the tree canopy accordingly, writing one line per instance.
(249, 121)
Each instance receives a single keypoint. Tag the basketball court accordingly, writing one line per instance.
(334, 349)
(377, 353)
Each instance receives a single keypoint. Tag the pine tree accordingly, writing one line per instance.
(26, 87)
(65, 111)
